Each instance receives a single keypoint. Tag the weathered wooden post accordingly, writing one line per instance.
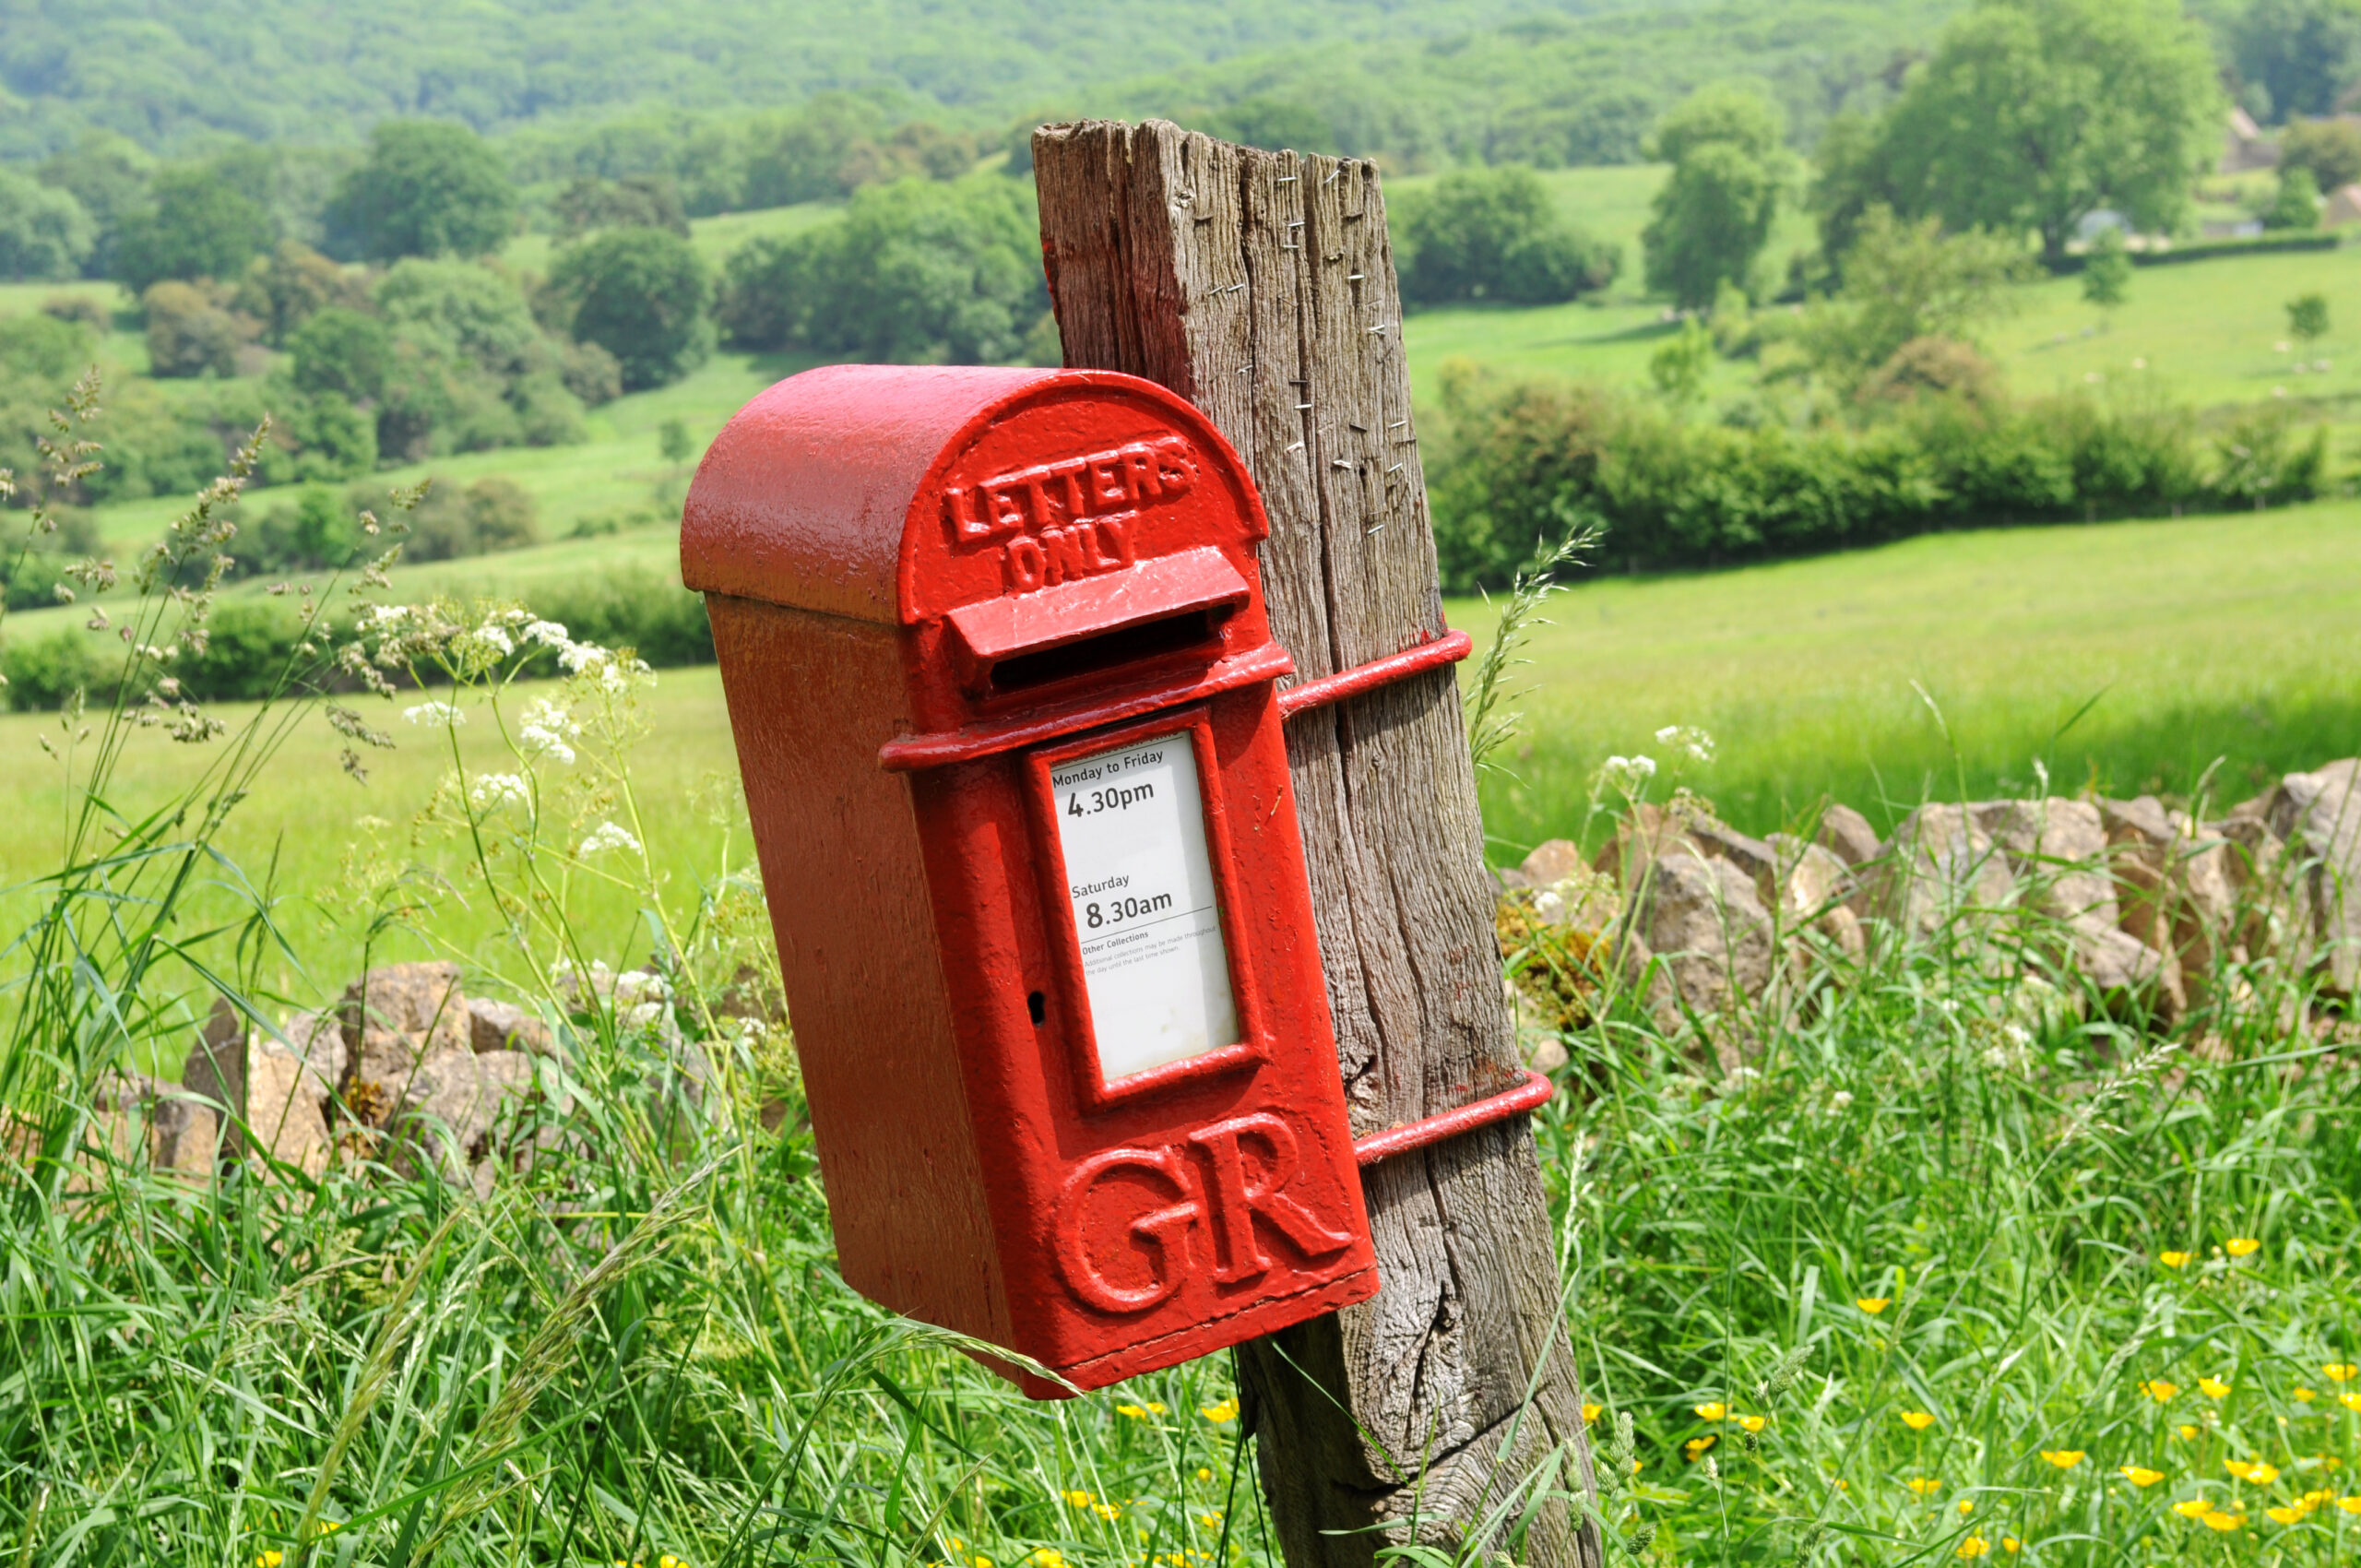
(1260, 286)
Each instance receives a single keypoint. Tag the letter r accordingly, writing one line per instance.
(1235, 1201)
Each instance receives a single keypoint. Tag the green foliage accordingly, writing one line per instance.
(43, 231)
(1712, 219)
(341, 351)
(1523, 460)
(2308, 317)
(1494, 235)
(1274, 123)
(489, 516)
(196, 225)
(284, 289)
(2106, 273)
(2034, 113)
(44, 347)
(315, 532)
(1678, 369)
(635, 201)
(913, 272)
(2297, 202)
(108, 176)
(2329, 148)
(1909, 280)
(470, 369)
(428, 188)
(642, 295)
(191, 332)
(2302, 53)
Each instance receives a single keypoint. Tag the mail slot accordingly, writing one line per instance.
(1003, 695)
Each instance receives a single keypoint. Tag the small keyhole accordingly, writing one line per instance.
(1037, 1005)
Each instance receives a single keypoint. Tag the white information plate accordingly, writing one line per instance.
(1132, 826)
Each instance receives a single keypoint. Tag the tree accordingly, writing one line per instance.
(641, 295)
(2303, 54)
(1679, 367)
(200, 226)
(1495, 235)
(914, 271)
(1274, 123)
(2308, 317)
(189, 333)
(2329, 148)
(2034, 113)
(427, 188)
(2106, 276)
(341, 351)
(291, 284)
(108, 174)
(2297, 202)
(636, 201)
(1712, 218)
(44, 233)
(1905, 282)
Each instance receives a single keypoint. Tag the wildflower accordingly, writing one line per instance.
(2214, 1519)
(2064, 1459)
(1918, 1421)
(2284, 1516)
(1966, 1506)
(1696, 1446)
(1712, 1410)
(1974, 1546)
(1204, 1475)
(1590, 1411)
(2186, 1431)
(2350, 1504)
(1137, 1412)
(2012, 1545)
(2213, 1388)
(608, 836)
(492, 790)
(2340, 1371)
(669, 1561)
(1076, 1499)
(2193, 1507)
(1626, 775)
(2255, 1471)
(1925, 1486)
(1688, 740)
(1873, 1304)
(2140, 1475)
(434, 713)
(2173, 1260)
(1752, 1423)
(2241, 1246)
(270, 1560)
(1107, 1510)
(1211, 1521)
(2305, 1396)
(1226, 1411)
(2159, 1390)
(2350, 1401)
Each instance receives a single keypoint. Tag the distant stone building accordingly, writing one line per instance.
(2244, 147)
(2344, 207)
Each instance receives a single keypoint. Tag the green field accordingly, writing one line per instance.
(2222, 637)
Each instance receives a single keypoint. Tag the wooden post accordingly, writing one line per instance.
(1260, 286)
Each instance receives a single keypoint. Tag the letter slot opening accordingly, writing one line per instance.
(1174, 634)
(1163, 607)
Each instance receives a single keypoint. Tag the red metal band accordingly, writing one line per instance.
(1536, 1090)
(1319, 691)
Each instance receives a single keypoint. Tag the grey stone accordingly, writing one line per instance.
(1847, 834)
(1713, 938)
(1811, 887)
(2059, 851)
(2316, 816)
(2173, 882)
(1751, 856)
(1551, 861)
(504, 1025)
(395, 1018)
(454, 1098)
(269, 1098)
(1940, 866)
(1540, 1047)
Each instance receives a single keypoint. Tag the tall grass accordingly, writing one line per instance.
(1939, 1191)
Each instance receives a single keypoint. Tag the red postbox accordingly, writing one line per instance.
(1003, 694)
